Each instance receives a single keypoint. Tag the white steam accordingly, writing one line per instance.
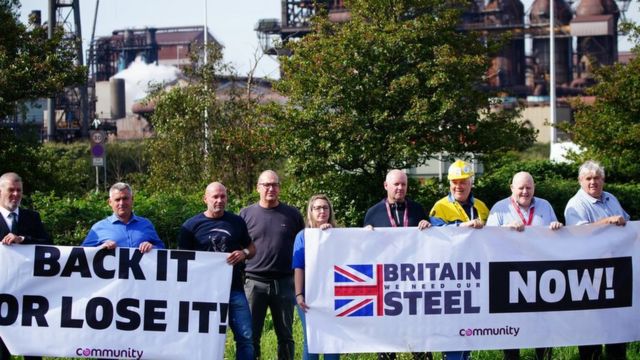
(139, 77)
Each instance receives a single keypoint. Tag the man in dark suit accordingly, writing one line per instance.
(18, 226)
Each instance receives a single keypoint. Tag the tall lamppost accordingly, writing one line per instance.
(206, 86)
(552, 72)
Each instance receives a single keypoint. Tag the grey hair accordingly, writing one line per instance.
(10, 177)
(120, 186)
(590, 166)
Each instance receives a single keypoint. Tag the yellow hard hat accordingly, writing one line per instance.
(460, 170)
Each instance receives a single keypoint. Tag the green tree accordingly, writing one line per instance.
(31, 65)
(609, 129)
(20, 154)
(203, 136)
(391, 88)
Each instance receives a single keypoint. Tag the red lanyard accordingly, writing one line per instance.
(405, 219)
(517, 207)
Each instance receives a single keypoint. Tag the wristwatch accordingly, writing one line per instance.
(246, 252)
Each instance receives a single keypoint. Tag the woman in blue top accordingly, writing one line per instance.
(319, 215)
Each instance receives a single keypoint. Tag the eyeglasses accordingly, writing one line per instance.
(318, 208)
(268, 185)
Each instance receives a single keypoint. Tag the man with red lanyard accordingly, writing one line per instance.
(517, 211)
(397, 211)
(522, 208)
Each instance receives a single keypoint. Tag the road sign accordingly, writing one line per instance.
(98, 147)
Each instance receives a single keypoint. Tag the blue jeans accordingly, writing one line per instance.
(240, 323)
(456, 355)
(305, 349)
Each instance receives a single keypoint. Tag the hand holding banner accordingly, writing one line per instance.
(119, 303)
(450, 288)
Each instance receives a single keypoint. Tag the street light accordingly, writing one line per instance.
(552, 72)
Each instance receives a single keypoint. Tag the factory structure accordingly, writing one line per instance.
(586, 36)
(164, 46)
(590, 24)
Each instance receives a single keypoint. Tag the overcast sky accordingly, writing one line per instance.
(231, 22)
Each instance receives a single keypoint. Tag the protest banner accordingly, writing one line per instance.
(452, 288)
(91, 302)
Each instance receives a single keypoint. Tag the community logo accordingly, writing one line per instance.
(406, 289)
(500, 331)
(127, 353)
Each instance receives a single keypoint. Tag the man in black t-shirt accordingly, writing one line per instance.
(272, 226)
(396, 210)
(220, 231)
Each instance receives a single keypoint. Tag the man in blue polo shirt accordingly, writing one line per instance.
(522, 208)
(519, 210)
(123, 228)
(592, 205)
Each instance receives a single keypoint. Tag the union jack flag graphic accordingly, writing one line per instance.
(358, 290)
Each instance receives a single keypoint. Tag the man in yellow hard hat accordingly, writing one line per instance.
(459, 208)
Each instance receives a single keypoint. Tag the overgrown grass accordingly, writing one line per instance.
(269, 345)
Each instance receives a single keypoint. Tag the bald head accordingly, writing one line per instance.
(396, 186)
(215, 196)
(268, 176)
(522, 176)
(214, 186)
(395, 174)
(269, 189)
(522, 188)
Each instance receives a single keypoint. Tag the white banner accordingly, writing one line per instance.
(85, 302)
(451, 288)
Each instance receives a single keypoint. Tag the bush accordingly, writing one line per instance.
(68, 219)
(168, 211)
(556, 183)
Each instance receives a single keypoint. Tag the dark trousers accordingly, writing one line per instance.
(514, 354)
(416, 356)
(6, 355)
(278, 296)
(594, 352)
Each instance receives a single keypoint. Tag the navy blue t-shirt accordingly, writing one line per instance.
(225, 234)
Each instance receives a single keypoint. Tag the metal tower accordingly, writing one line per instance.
(68, 113)
(295, 22)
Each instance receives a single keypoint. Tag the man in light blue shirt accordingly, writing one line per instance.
(519, 210)
(522, 208)
(592, 205)
(123, 228)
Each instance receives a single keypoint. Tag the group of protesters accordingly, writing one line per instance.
(265, 241)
